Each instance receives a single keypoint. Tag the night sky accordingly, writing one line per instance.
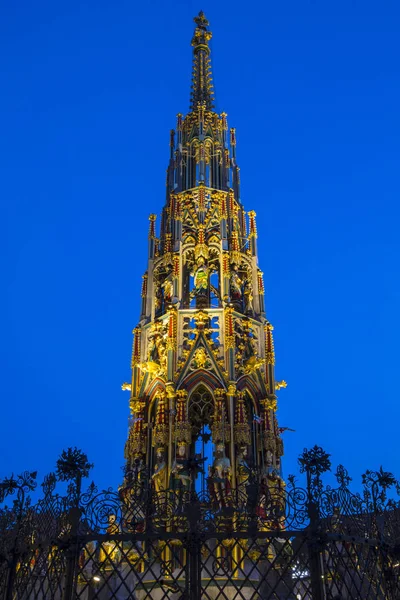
(90, 91)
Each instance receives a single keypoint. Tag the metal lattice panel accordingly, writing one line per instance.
(315, 543)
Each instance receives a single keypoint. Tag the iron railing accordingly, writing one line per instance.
(261, 542)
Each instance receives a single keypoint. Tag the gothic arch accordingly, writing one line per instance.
(201, 376)
(247, 384)
(157, 385)
(251, 401)
(198, 385)
(203, 397)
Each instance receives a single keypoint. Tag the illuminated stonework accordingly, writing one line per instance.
(203, 355)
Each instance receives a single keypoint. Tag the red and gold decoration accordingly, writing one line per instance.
(203, 354)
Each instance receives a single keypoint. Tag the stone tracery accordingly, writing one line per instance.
(203, 338)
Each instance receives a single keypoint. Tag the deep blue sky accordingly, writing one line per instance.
(89, 93)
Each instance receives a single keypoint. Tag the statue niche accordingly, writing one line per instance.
(200, 273)
(156, 349)
(246, 343)
(236, 286)
(163, 290)
(200, 278)
(168, 288)
(196, 282)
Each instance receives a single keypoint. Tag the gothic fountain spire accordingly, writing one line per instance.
(202, 86)
(203, 353)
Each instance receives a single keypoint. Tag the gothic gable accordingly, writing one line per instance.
(201, 360)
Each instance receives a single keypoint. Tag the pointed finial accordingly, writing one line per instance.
(202, 87)
(201, 20)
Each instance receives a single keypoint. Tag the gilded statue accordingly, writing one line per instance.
(248, 297)
(159, 477)
(157, 351)
(200, 277)
(242, 467)
(235, 284)
(168, 288)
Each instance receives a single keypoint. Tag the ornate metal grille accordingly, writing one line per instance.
(299, 544)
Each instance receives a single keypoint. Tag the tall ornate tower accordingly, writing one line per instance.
(203, 353)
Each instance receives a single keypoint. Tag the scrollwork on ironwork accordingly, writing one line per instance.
(22, 485)
(376, 487)
(342, 476)
(90, 493)
(49, 484)
(100, 508)
(256, 515)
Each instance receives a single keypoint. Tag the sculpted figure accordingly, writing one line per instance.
(157, 348)
(162, 353)
(236, 284)
(159, 477)
(168, 288)
(242, 467)
(157, 297)
(180, 476)
(248, 297)
(201, 277)
(221, 476)
(269, 470)
(151, 348)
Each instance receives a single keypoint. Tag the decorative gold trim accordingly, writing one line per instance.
(280, 384)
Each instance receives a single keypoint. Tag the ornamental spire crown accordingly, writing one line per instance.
(202, 149)
(202, 86)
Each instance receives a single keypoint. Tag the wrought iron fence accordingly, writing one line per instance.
(258, 542)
